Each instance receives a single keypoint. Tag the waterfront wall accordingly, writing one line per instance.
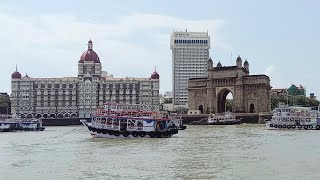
(62, 121)
(254, 118)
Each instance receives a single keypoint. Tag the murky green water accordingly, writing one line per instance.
(200, 152)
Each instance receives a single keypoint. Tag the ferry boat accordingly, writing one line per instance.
(294, 117)
(129, 120)
(13, 124)
(227, 118)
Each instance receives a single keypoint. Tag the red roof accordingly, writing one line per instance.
(16, 75)
(155, 75)
(89, 55)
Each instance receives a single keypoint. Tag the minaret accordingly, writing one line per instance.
(246, 65)
(90, 44)
(239, 62)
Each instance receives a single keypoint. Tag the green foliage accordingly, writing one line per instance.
(181, 110)
(167, 101)
(5, 105)
(229, 105)
(293, 101)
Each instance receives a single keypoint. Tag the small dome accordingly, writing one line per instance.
(89, 55)
(239, 58)
(219, 64)
(155, 75)
(16, 75)
(210, 60)
(246, 62)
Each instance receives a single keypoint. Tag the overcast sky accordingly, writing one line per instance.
(131, 37)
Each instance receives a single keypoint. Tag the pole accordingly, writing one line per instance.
(287, 98)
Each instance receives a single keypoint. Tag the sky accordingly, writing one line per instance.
(131, 37)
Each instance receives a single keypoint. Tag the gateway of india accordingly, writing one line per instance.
(251, 93)
(72, 97)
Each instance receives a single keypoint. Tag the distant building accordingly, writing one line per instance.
(4, 94)
(279, 92)
(80, 96)
(190, 54)
(293, 90)
(312, 96)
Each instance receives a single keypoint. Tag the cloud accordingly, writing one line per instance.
(269, 71)
(131, 45)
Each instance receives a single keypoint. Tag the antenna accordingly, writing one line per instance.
(231, 58)
(16, 67)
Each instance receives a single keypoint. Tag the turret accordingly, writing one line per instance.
(239, 62)
(219, 64)
(246, 65)
(210, 64)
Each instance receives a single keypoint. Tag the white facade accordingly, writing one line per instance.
(190, 54)
(71, 97)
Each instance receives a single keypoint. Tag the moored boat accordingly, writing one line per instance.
(294, 118)
(129, 120)
(227, 118)
(13, 124)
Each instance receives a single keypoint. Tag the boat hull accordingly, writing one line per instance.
(105, 133)
(271, 126)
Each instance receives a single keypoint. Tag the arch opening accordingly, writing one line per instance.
(252, 109)
(201, 109)
(225, 101)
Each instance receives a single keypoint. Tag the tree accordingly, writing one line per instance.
(293, 100)
(5, 105)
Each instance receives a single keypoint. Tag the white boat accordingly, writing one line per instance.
(21, 125)
(294, 117)
(227, 118)
(128, 120)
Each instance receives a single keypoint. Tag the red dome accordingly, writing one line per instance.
(155, 75)
(16, 75)
(89, 55)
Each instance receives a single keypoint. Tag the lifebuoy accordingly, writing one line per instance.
(284, 126)
(110, 132)
(299, 126)
(305, 127)
(135, 134)
(293, 126)
(104, 131)
(94, 129)
(317, 127)
(125, 134)
(279, 126)
(116, 133)
(142, 134)
(99, 131)
(151, 134)
(271, 125)
(289, 126)
(275, 126)
(310, 126)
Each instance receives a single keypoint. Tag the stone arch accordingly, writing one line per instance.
(221, 99)
(38, 116)
(200, 98)
(52, 116)
(45, 115)
(251, 108)
(252, 102)
(66, 115)
(29, 116)
(74, 115)
(60, 115)
(22, 116)
(201, 109)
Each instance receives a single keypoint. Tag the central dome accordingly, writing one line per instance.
(89, 55)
